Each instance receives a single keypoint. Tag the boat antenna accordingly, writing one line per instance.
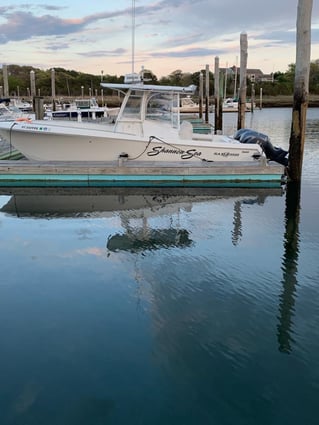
(133, 34)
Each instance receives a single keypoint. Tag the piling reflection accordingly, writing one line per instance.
(237, 221)
(290, 268)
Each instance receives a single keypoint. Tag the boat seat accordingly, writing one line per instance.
(186, 130)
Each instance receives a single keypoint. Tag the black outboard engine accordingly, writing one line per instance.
(245, 135)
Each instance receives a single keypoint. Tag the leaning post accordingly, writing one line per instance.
(301, 87)
(243, 83)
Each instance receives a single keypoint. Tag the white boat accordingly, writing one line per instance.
(9, 112)
(143, 131)
(22, 104)
(81, 108)
(188, 106)
(231, 105)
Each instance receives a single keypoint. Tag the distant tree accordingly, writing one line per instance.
(176, 77)
(149, 76)
(69, 82)
(314, 77)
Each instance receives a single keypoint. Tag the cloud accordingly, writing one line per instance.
(188, 53)
(104, 53)
(172, 29)
(21, 25)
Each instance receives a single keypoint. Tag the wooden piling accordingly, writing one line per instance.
(261, 98)
(38, 107)
(207, 94)
(53, 83)
(252, 100)
(218, 115)
(243, 84)
(32, 83)
(201, 95)
(5, 80)
(301, 87)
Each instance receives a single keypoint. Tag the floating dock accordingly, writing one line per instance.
(18, 173)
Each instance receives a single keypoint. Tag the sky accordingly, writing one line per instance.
(97, 36)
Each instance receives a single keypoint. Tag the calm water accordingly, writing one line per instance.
(160, 308)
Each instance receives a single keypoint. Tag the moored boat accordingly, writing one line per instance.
(146, 135)
(81, 108)
(144, 130)
(231, 105)
(188, 106)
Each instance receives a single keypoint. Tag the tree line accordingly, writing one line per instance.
(73, 83)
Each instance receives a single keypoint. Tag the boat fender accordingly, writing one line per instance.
(23, 119)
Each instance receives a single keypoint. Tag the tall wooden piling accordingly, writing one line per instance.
(218, 115)
(207, 94)
(301, 87)
(261, 98)
(5, 80)
(252, 100)
(53, 83)
(32, 83)
(243, 83)
(201, 87)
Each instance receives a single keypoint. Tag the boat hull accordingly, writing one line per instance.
(59, 141)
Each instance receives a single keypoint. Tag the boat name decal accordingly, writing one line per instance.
(190, 153)
(35, 127)
(225, 154)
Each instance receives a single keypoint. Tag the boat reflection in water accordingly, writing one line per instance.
(149, 240)
(134, 207)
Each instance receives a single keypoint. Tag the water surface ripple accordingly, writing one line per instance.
(134, 307)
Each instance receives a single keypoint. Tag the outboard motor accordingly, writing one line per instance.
(245, 135)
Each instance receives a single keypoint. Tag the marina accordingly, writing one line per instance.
(148, 145)
(158, 270)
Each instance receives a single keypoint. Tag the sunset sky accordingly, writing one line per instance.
(96, 36)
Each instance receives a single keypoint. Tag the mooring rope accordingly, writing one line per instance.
(151, 138)
(10, 142)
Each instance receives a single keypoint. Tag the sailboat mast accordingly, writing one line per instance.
(133, 35)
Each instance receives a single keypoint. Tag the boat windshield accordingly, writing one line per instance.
(133, 107)
(162, 106)
(141, 105)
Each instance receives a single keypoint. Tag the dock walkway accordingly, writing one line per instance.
(139, 174)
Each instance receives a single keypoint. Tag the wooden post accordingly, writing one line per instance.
(261, 98)
(252, 100)
(301, 87)
(218, 115)
(5, 80)
(243, 84)
(38, 107)
(32, 83)
(207, 94)
(201, 95)
(53, 83)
